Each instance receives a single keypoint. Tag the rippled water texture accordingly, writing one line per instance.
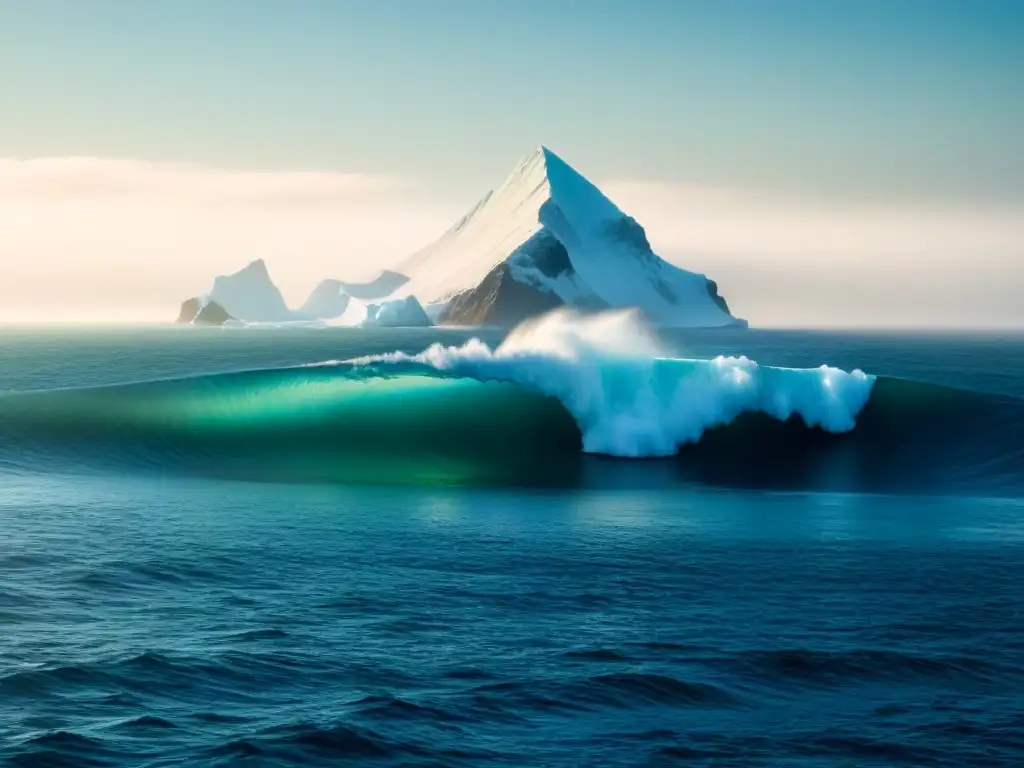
(246, 610)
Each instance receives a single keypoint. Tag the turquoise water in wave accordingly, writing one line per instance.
(257, 569)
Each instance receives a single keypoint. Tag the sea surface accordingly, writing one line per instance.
(213, 553)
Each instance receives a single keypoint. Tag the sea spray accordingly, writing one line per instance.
(608, 371)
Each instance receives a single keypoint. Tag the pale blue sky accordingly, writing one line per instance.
(881, 97)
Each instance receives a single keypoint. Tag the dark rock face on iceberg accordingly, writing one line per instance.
(499, 300)
(716, 296)
(197, 312)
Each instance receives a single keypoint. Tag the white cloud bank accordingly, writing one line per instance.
(107, 239)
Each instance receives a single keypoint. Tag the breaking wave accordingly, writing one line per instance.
(548, 407)
(626, 398)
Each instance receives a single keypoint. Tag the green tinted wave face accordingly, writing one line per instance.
(307, 425)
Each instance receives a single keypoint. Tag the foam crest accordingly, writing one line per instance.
(572, 335)
(628, 400)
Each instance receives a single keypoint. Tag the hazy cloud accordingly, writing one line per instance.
(94, 178)
(788, 260)
(95, 237)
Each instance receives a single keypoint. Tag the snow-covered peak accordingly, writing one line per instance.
(503, 219)
(558, 234)
(578, 198)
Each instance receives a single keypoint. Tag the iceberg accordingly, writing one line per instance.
(547, 238)
(327, 301)
(330, 298)
(406, 312)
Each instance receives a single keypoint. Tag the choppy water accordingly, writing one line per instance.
(224, 594)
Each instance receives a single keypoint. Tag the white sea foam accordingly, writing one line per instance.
(628, 398)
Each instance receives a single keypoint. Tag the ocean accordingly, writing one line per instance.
(214, 552)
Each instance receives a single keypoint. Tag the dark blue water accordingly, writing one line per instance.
(162, 611)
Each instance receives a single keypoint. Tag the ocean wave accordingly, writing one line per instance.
(550, 407)
(613, 690)
(145, 722)
(64, 748)
(386, 708)
(597, 654)
(629, 689)
(338, 741)
(228, 675)
(627, 399)
(828, 669)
